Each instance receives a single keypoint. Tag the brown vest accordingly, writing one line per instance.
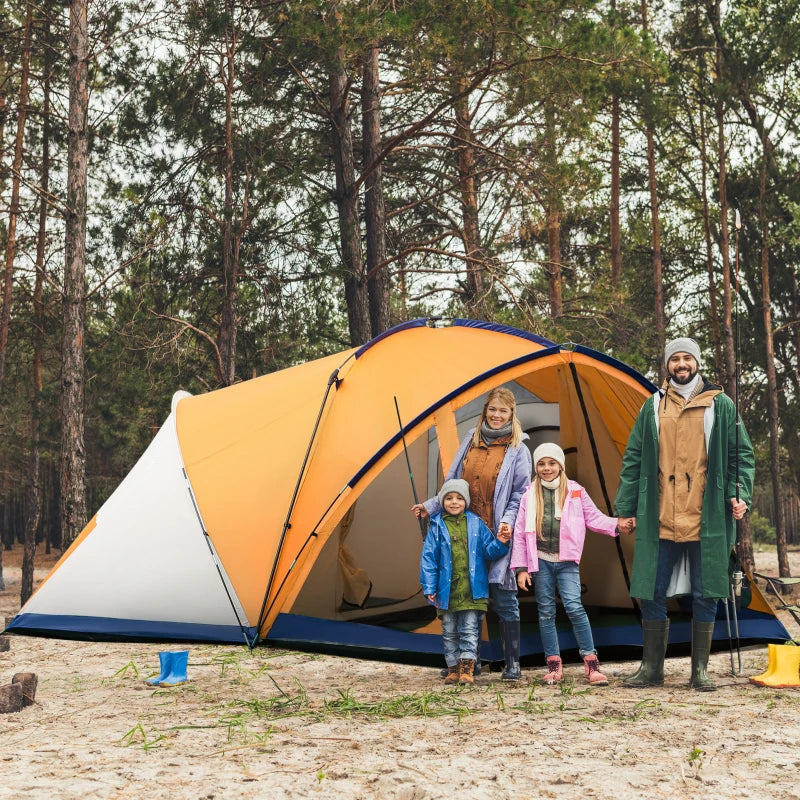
(682, 464)
(481, 468)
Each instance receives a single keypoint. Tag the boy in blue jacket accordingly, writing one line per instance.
(454, 576)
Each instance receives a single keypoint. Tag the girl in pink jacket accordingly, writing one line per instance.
(551, 524)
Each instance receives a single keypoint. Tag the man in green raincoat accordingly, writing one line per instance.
(678, 481)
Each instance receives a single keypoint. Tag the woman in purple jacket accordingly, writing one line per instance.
(554, 514)
(494, 460)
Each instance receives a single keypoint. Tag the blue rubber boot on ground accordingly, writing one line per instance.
(166, 665)
(177, 674)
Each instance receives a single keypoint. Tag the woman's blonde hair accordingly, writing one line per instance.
(537, 488)
(503, 395)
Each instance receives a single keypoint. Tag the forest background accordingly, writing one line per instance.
(197, 193)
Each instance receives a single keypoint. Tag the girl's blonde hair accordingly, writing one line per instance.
(537, 488)
(503, 395)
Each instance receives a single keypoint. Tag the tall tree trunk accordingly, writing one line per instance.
(378, 280)
(554, 276)
(744, 545)
(553, 212)
(712, 283)
(230, 250)
(655, 238)
(355, 278)
(468, 190)
(11, 234)
(655, 233)
(727, 315)
(73, 454)
(772, 379)
(34, 514)
(615, 235)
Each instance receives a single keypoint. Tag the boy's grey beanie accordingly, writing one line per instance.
(458, 485)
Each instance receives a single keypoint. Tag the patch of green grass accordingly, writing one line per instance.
(640, 711)
(137, 736)
(531, 705)
(430, 703)
(695, 755)
(129, 670)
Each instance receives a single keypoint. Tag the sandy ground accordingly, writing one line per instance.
(280, 724)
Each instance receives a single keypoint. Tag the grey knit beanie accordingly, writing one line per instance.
(457, 485)
(684, 345)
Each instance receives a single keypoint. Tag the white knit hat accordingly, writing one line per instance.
(457, 485)
(684, 345)
(548, 450)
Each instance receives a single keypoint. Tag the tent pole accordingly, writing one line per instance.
(215, 559)
(422, 526)
(332, 380)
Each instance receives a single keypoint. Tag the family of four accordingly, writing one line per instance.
(503, 520)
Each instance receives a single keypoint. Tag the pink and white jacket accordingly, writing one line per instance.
(578, 514)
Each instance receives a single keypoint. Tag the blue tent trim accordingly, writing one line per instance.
(424, 322)
(311, 632)
(421, 322)
(620, 365)
(446, 399)
(493, 326)
(300, 630)
(110, 627)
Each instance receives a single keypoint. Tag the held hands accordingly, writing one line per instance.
(504, 531)
(524, 580)
(419, 511)
(739, 508)
(626, 525)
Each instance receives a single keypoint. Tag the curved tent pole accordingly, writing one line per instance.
(215, 559)
(332, 380)
(600, 475)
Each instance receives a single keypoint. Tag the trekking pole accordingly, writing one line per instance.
(737, 576)
(422, 527)
(736, 591)
(726, 601)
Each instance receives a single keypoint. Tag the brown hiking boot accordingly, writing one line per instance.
(467, 668)
(452, 675)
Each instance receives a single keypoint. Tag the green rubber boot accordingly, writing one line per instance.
(655, 633)
(702, 633)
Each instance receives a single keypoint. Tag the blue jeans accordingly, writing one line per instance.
(565, 575)
(505, 602)
(460, 634)
(704, 609)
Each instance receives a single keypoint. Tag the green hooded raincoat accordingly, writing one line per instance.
(637, 495)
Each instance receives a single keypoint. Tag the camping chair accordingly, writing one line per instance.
(776, 584)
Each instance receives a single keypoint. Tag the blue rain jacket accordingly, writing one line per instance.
(436, 562)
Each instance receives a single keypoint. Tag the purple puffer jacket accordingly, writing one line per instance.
(578, 514)
(512, 480)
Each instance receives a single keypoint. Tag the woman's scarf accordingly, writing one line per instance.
(490, 435)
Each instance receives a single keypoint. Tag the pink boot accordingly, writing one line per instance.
(591, 668)
(554, 672)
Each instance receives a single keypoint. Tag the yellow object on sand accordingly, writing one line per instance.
(783, 670)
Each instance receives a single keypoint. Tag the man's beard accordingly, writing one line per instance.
(683, 379)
